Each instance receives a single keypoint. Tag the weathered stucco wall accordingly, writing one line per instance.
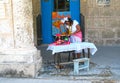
(18, 55)
(102, 23)
(23, 23)
(6, 25)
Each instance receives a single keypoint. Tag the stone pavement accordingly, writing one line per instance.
(25, 80)
(104, 68)
(104, 64)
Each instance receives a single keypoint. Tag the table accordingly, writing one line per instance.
(73, 46)
(85, 47)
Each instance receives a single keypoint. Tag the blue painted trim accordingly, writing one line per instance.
(75, 9)
(46, 12)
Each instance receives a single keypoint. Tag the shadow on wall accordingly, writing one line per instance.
(39, 30)
(82, 24)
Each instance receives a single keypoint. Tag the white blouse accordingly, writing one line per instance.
(73, 27)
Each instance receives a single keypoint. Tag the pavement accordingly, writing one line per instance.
(26, 80)
(104, 64)
(104, 68)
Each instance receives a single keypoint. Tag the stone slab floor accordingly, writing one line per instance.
(104, 65)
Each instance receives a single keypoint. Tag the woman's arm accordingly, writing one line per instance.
(77, 29)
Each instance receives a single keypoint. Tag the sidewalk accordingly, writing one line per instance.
(104, 68)
(23, 80)
(105, 64)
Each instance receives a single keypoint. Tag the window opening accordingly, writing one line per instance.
(61, 5)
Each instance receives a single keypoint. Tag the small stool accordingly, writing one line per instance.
(78, 66)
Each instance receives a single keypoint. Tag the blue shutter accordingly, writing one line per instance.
(46, 16)
(75, 9)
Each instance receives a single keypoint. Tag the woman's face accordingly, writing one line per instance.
(67, 23)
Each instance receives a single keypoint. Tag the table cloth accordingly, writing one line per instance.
(72, 47)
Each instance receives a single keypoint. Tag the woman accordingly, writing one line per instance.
(74, 30)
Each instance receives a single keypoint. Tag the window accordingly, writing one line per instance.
(61, 5)
(103, 2)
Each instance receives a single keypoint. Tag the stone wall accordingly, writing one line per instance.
(18, 54)
(23, 23)
(102, 23)
(6, 25)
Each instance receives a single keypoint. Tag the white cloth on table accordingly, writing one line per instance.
(72, 47)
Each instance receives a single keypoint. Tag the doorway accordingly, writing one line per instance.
(59, 8)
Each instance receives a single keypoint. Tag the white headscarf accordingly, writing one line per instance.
(64, 19)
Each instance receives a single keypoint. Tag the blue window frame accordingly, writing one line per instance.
(61, 5)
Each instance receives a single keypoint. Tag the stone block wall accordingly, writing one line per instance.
(102, 23)
(36, 12)
(6, 25)
(18, 55)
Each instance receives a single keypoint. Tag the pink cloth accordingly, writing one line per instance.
(77, 37)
